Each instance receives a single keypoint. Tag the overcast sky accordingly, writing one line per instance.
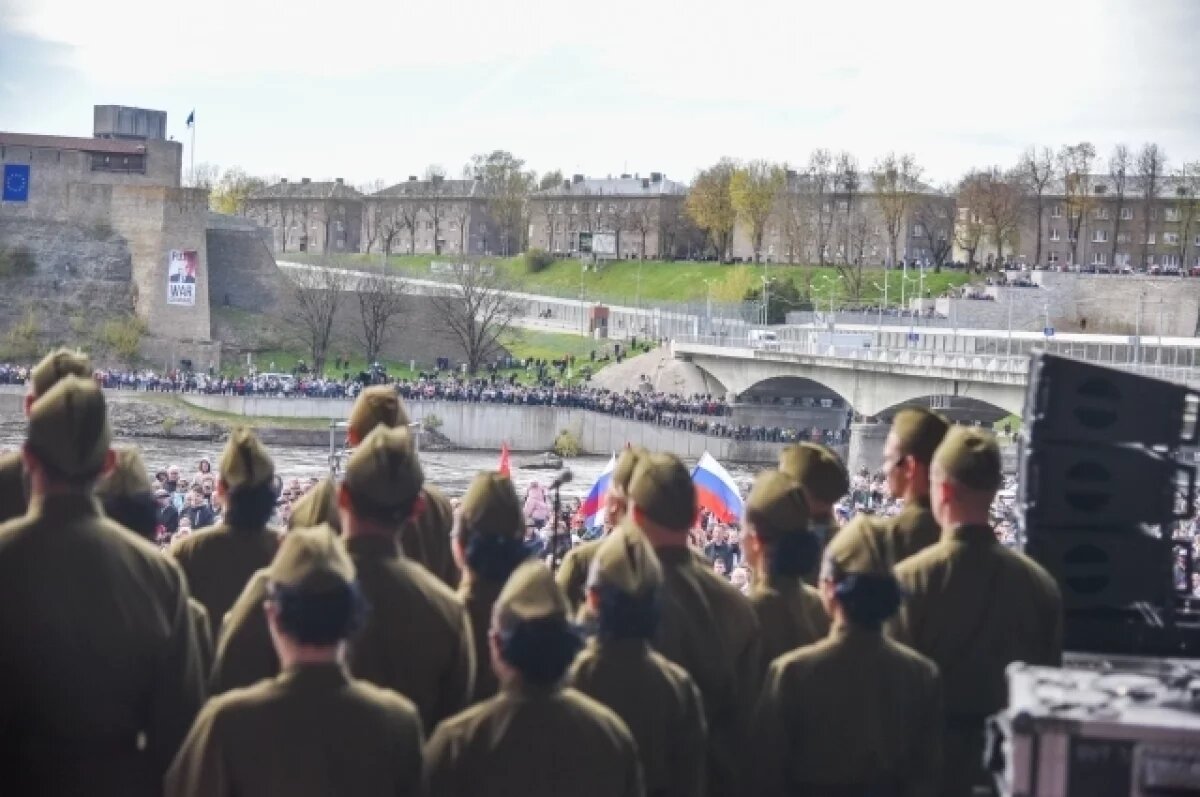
(366, 89)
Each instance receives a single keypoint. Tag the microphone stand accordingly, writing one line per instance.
(554, 559)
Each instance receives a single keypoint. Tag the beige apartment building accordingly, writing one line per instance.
(626, 217)
(309, 216)
(431, 216)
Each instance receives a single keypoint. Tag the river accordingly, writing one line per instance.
(450, 470)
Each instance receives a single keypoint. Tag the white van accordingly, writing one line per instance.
(764, 339)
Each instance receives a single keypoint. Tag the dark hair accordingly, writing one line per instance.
(793, 554)
(540, 650)
(250, 507)
(137, 512)
(493, 557)
(319, 619)
(869, 598)
(625, 616)
(371, 511)
(277, 485)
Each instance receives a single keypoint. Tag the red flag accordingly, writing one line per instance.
(505, 462)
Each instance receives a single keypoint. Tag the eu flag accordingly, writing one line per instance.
(16, 182)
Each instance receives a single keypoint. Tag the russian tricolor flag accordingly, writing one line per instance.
(592, 508)
(715, 490)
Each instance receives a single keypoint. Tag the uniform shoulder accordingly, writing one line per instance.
(385, 699)
(463, 723)
(1036, 573)
(727, 596)
(432, 587)
(801, 659)
(924, 561)
(198, 541)
(912, 658)
(583, 552)
(670, 670)
(594, 709)
(10, 465)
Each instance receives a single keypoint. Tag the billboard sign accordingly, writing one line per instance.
(183, 267)
(604, 243)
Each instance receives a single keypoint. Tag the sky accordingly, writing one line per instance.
(381, 89)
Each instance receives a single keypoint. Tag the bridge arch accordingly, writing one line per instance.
(962, 409)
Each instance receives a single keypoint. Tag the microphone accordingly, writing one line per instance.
(563, 478)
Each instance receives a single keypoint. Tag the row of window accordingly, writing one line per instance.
(1124, 259)
(1105, 213)
(1101, 236)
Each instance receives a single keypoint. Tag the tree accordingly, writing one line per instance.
(1075, 165)
(1151, 165)
(710, 205)
(1119, 165)
(1000, 208)
(643, 219)
(230, 193)
(795, 218)
(969, 230)
(783, 297)
(476, 309)
(433, 202)
(409, 214)
(553, 179)
(203, 175)
(390, 225)
(380, 299)
(933, 218)
(317, 294)
(461, 214)
(1037, 168)
(821, 182)
(847, 182)
(374, 214)
(506, 184)
(753, 189)
(616, 218)
(895, 180)
(1187, 194)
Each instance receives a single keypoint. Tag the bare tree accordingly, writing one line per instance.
(933, 217)
(895, 180)
(1151, 166)
(1187, 194)
(373, 213)
(433, 202)
(848, 183)
(753, 190)
(795, 216)
(1037, 169)
(507, 185)
(1000, 207)
(476, 310)
(409, 215)
(1119, 164)
(380, 299)
(286, 214)
(969, 229)
(644, 220)
(317, 294)
(617, 217)
(822, 183)
(1075, 166)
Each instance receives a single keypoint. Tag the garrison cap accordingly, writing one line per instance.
(376, 406)
(626, 464)
(55, 365)
(919, 431)
(626, 561)
(311, 561)
(317, 507)
(970, 457)
(818, 469)
(662, 488)
(127, 478)
(850, 551)
(245, 463)
(68, 428)
(529, 594)
(777, 505)
(383, 471)
(491, 508)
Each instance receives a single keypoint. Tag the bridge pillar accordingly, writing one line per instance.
(866, 446)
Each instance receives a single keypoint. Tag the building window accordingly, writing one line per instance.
(1151, 239)
(1056, 212)
(1054, 236)
(843, 206)
(1149, 260)
(1153, 214)
(1102, 214)
(1170, 261)
(121, 164)
(962, 214)
(1099, 259)
(825, 207)
(1121, 259)
(1052, 257)
(1122, 237)
(1100, 189)
(1172, 214)
(1196, 241)
(1126, 214)
(1099, 236)
(918, 230)
(1171, 238)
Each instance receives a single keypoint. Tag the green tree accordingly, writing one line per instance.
(23, 342)
(783, 297)
(753, 190)
(895, 180)
(230, 193)
(710, 204)
(507, 184)
(123, 337)
(552, 179)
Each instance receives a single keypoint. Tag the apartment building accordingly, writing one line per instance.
(309, 216)
(432, 216)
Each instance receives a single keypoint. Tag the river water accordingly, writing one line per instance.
(452, 471)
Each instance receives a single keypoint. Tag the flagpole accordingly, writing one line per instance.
(192, 177)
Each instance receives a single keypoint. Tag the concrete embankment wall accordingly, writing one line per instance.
(488, 426)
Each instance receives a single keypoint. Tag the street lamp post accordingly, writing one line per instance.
(884, 289)
(766, 301)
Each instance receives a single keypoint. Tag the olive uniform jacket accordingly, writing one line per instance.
(974, 607)
(427, 538)
(573, 572)
(533, 742)
(885, 542)
(853, 714)
(790, 614)
(220, 560)
(826, 529)
(479, 597)
(659, 704)
(417, 637)
(14, 488)
(311, 732)
(710, 630)
(100, 676)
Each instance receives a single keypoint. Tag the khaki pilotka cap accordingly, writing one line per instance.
(317, 507)
(919, 432)
(626, 561)
(127, 478)
(626, 464)
(245, 463)
(662, 488)
(776, 505)
(376, 406)
(68, 428)
(529, 594)
(311, 561)
(383, 471)
(490, 507)
(970, 457)
(56, 365)
(818, 469)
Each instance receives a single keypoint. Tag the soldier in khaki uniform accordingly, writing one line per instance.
(974, 606)
(781, 550)
(823, 476)
(707, 627)
(907, 452)
(313, 730)
(99, 668)
(572, 574)
(14, 480)
(127, 498)
(654, 697)
(219, 562)
(535, 738)
(856, 713)
(318, 507)
(417, 637)
(425, 538)
(488, 546)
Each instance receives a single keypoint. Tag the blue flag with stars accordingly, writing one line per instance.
(16, 182)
